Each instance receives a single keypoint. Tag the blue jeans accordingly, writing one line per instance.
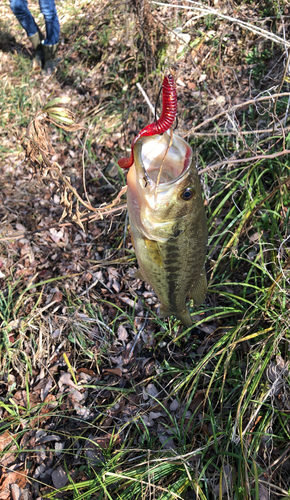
(24, 16)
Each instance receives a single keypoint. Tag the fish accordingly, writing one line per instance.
(168, 222)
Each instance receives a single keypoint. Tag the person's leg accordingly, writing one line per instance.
(48, 10)
(50, 44)
(24, 16)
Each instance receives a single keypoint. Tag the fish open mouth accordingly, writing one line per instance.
(155, 154)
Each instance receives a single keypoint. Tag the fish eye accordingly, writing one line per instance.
(187, 194)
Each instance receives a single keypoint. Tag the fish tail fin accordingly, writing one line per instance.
(163, 312)
(183, 316)
(138, 275)
(198, 290)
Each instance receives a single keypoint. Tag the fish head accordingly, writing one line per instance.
(163, 184)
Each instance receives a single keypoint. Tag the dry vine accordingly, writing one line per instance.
(38, 150)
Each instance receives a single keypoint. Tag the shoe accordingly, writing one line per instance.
(38, 49)
(50, 59)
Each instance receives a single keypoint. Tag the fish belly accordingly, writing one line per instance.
(175, 268)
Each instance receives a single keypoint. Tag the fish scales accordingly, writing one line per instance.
(169, 232)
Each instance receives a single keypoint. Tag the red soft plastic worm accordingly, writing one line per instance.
(165, 122)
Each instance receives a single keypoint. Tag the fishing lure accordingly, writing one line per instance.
(165, 122)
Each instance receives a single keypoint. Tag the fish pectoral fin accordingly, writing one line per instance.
(138, 275)
(198, 290)
(153, 250)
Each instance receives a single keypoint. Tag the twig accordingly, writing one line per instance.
(95, 164)
(208, 10)
(105, 211)
(244, 160)
(242, 132)
(272, 68)
(138, 336)
(57, 169)
(140, 88)
(84, 167)
(176, 35)
(234, 108)
(282, 83)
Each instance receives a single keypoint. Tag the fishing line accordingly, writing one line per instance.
(161, 166)
(156, 103)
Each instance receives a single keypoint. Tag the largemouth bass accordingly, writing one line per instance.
(168, 223)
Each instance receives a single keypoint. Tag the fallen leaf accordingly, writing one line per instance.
(87, 371)
(50, 403)
(40, 453)
(218, 100)
(151, 390)
(118, 360)
(128, 301)
(39, 470)
(65, 379)
(48, 438)
(149, 366)
(153, 415)
(5, 439)
(20, 398)
(108, 440)
(116, 285)
(197, 401)
(57, 297)
(9, 456)
(20, 227)
(94, 447)
(12, 477)
(122, 333)
(84, 377)
(59, 447)
(59, 478)
(45, 390)
(15, 492)
(207, 328)
(55, 235)
(191, 85)
(114, 371)
(166, 441)
(174, 405)
(180, 82)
